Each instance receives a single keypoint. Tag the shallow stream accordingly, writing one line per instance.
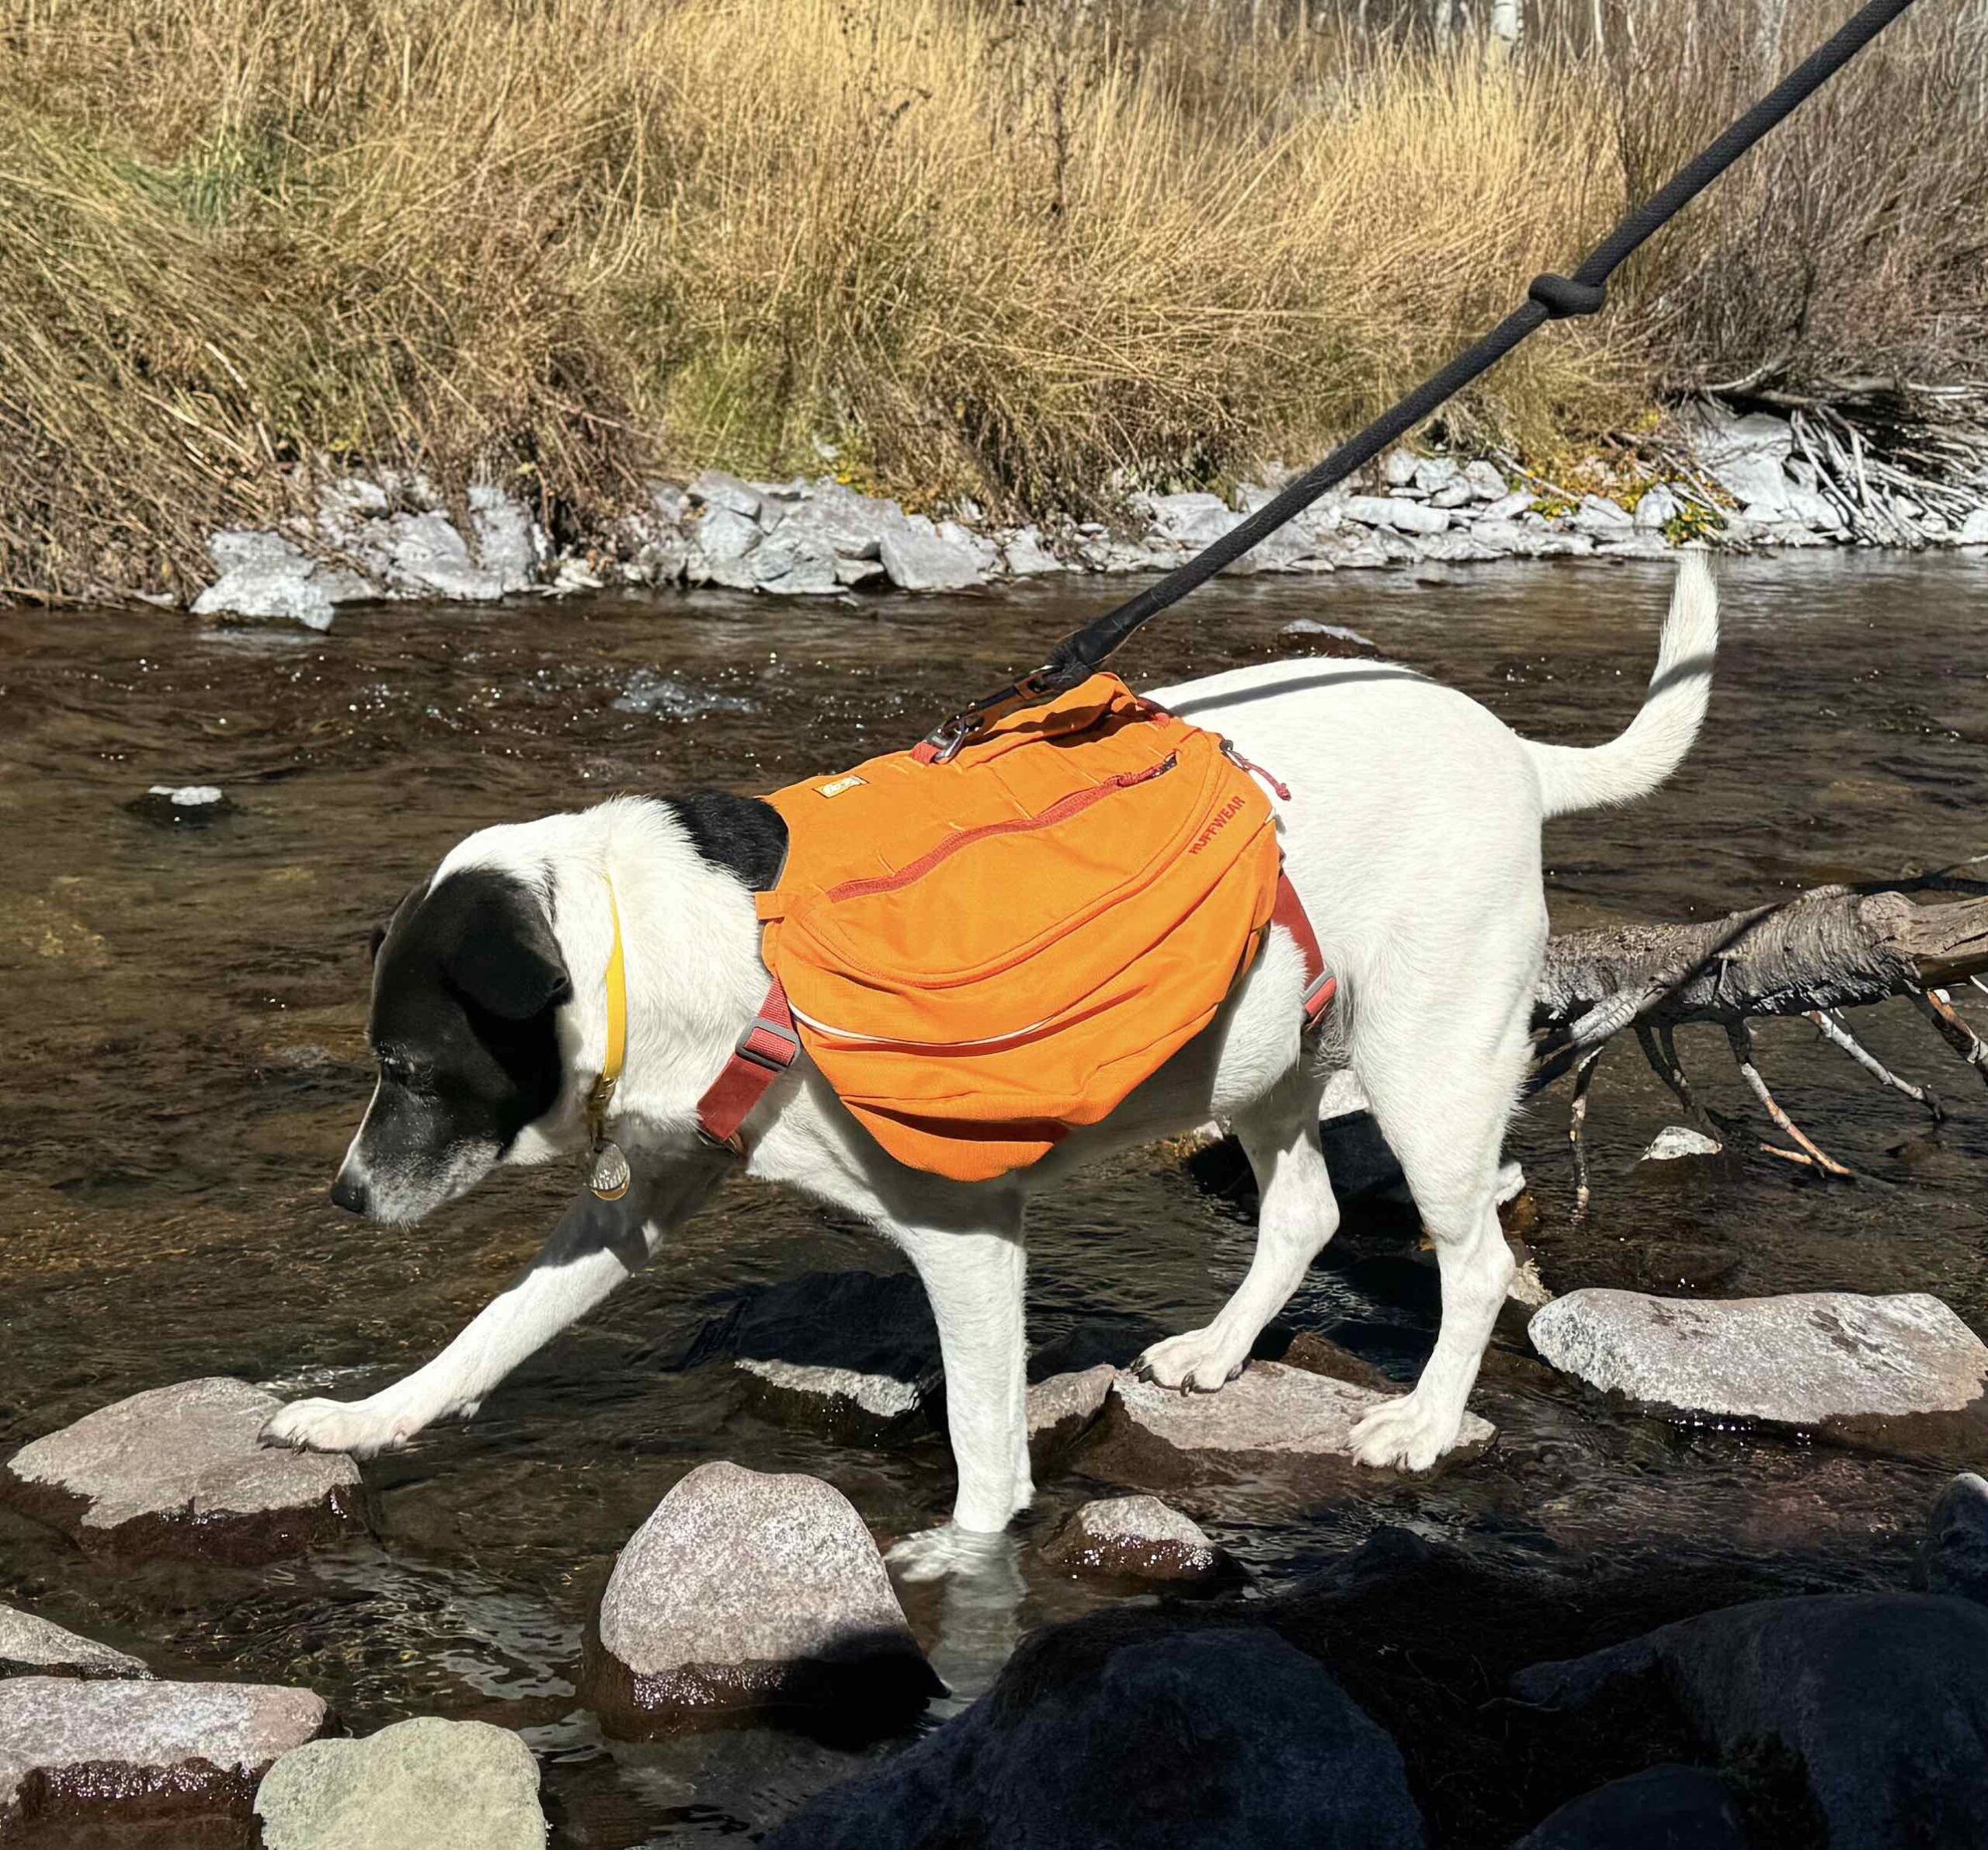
(184, 1061)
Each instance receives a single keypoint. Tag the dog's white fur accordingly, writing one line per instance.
(1412, 835)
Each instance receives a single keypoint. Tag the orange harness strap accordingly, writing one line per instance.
(772, 1045)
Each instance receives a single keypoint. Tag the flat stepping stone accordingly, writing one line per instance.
(1134, 1538)
(1062, 1408)
(177, 1471)
(29, 1646)
(82, 1753)
(1272, 1417)
(421, 1785)
(1899, 1369)
(747, 1594)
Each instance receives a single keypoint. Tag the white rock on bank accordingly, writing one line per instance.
(264, 575)
(179, 1470)
(1026, 556)
(746, 1592)
(1393, 512)
(1484, 482)
(421, 1785)
(31, 1646)
(81, 1752)
(1805, 1359)
(1974, 529)
(1598, 516)
(1657, 507)
(1678, 1140)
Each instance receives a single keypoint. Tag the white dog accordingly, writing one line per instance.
(1412, 835)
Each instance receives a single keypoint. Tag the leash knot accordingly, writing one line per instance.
(1562, 296)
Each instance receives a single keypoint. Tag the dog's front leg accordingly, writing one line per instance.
(975, 1282)
(595, 1246)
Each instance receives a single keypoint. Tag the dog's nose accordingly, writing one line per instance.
(349, 1192)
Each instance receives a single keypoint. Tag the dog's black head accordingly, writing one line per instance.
(467, 983)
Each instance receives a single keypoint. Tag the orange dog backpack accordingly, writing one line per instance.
(981, 953)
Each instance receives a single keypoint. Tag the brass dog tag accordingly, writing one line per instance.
(609, 1177)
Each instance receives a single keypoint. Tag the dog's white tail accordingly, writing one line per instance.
(1631, 766)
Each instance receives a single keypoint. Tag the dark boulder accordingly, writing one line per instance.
(1128, 1731)
(1953, 1557)
(1662, 1808)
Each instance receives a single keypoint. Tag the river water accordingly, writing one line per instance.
(184, 1061)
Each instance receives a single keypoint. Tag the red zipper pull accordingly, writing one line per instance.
(1255, 770)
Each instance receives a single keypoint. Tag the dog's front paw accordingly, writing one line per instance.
(1406, 1434)
(1197, 1362)
(361, 1427)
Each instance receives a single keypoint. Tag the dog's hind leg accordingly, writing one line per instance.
(1297, 1215)
(975, 1281)
(1441, 1098)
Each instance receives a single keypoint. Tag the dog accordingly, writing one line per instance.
(1412, 833)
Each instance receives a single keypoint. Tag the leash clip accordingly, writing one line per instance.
(945, 742)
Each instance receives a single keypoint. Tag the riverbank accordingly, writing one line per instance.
(1037, 261)
(1742, 483)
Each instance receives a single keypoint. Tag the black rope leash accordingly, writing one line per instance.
(1549, 298)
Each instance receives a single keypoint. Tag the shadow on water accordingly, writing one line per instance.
(185, 1062)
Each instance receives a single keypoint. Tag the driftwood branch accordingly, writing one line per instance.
(1829, 949)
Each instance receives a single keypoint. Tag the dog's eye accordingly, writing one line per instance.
(396, 1069)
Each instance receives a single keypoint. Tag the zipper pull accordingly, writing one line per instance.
(1236, 758)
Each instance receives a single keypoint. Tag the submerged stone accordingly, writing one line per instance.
(1953, 1558)
(1867, 1368)
(1134, 1538)
(747, 1595)
(29, 1645)
(177, 1470)
(89, 1753)
(421, 1785)
(1667, 1807)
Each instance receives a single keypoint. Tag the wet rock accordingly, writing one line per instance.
(89, 1753)
(182, 806)
(1667, 1807)
(1881, 1370)
(1120, 1732)
(1134, 1538)
(1676, 1141)
(853, 1355)
(1061, 1409)
(917, 559)
(1310, 631)
(668, 698)
(1876, 1703)
(746, 1594)
(1273, 1418)
(30, 1646)
(1953, 1557)
(421, 1785)
(177, 1470)
(263, 574)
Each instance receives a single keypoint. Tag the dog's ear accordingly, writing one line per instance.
(508, 961)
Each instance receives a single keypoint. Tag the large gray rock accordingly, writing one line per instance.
(421, 1785)
(715, 488)
(1119, 1733)
(177, 1470)
(30, 1645)
(1062, 1408)
(510, 544)
(1026, 556)
(721, 542)
(1667, 1807)
(746, 1593)
(1134, 1538)
(1953, 1557)
(1857, 1366)
(794, 566)
(918, 559)
(1877, 1700)
(1395, 512)
(81, 1752)
(849, 525)
(1973, 532)
(265, 575)
(1272, 1419)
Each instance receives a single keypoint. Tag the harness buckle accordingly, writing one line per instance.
(776, 1060)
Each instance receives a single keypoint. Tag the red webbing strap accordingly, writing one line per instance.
(1289, 912)
(765, 1051)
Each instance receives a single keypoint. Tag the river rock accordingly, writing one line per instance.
(1062, 1408)
(177, 1470)
(1656, 508)
(1026, 556)
(1596, 515)
(1901, 1368)
(715, 488)
(1974, 529)
(1667, 1807)
(917, 558)
(1877, 1700)
(721, 542)
(1194, 520)
(1677, 1140)
(182, 806)
(1122, 1732)
(1134, 1538)
(421, 1785)
(1484, 482)
(88, 1752)
(852, 1355)
(1398, 467)
(29, 1645)
(747, 1594)
(1434, 473)
(263, 574)
(1953, 1557)
(1395, 512)
(794, 566)
(1272, 1419)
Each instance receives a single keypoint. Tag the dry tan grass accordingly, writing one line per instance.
(562, 241)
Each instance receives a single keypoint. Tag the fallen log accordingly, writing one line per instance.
(1829, 949)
